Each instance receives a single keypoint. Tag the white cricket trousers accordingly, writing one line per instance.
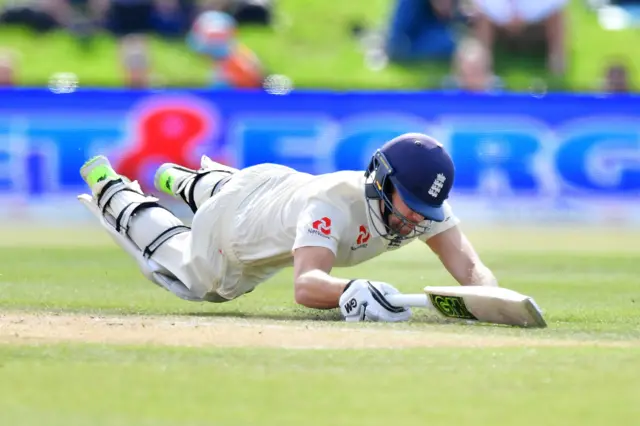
(201, 259)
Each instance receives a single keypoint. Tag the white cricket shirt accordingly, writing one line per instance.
(282, 209)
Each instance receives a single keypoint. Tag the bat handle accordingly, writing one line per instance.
(409, 300)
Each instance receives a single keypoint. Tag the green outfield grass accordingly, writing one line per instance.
(311, 43)
(68, 385)
(72, 354)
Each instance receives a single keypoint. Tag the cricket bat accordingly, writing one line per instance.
(495, 305)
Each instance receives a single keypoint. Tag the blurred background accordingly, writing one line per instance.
(534, 99)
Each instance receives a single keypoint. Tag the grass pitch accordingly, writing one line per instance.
(84, 339)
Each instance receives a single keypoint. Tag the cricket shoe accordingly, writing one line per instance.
(180, 182)
(97, 172)
(176, 180)
(173, 179)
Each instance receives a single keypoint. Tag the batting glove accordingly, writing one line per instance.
(364, 300)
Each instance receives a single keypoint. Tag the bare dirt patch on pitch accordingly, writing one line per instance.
(32, 328)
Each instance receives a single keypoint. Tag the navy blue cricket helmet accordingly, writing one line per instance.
(419, 169)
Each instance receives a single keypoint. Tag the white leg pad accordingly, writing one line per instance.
(141, 242)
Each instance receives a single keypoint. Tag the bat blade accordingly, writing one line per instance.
(495, 305)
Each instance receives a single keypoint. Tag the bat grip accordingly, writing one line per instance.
(409, 300)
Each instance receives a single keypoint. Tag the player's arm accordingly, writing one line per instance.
(314, 287)
(358, 299)
(459, 257)
(318, 232)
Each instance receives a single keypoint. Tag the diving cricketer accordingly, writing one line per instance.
(250, 223)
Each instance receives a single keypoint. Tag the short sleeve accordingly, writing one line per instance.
(450, 220)
(320, 224)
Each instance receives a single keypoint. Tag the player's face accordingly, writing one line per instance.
(396, 221)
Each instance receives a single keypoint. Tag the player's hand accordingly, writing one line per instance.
(364, 300)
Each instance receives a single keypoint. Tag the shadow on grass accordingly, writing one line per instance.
(327, 316)
(332, 316)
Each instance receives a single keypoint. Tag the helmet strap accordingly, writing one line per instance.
(381, 187)
(387, 189)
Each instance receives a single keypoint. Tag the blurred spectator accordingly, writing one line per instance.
(616, 79)
(243, 11)
(168, 18)
(7, 68)
(59, 10)
(241, 69)
(214, 34)
(172, 18)
(37, 15)
(135, 60)
(214, 5)
(47, 15)
(523, 24)
(124, 17)
(252, 11)
(421, 29)
(132, 20)
(81, 18)
(472, 69)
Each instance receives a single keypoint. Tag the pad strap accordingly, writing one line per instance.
(122, 221)
(163, 238)
(189, 197)
(111, 189)
(122, 226)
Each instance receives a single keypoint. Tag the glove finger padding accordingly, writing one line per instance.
(353, 309)
(364, 300)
